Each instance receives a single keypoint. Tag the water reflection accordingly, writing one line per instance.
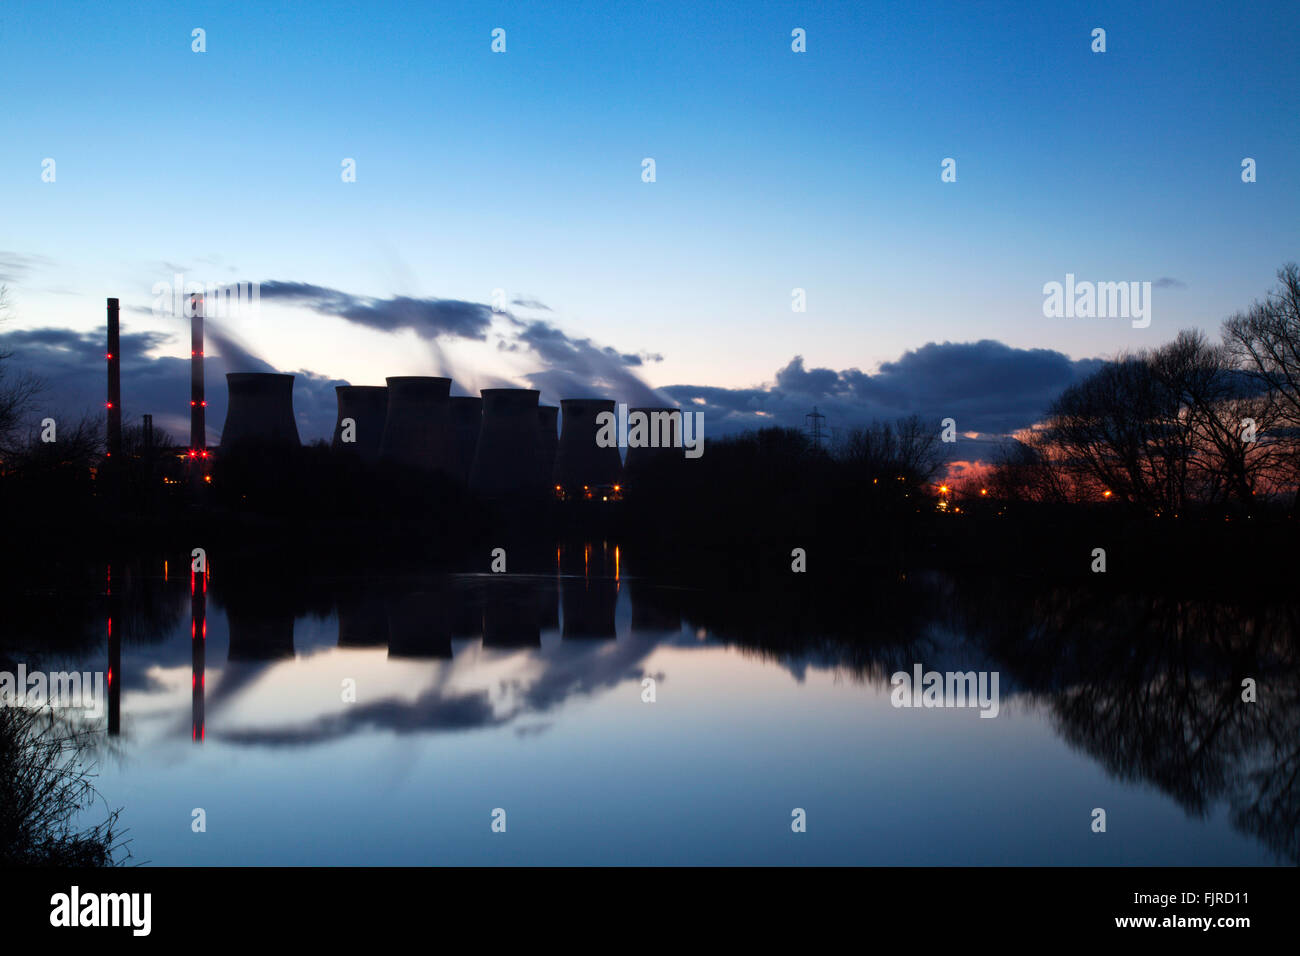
(1149, 686)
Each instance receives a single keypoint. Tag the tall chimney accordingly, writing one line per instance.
(114, 383)
(198, 407)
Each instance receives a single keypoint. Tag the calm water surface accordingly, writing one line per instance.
(524, 692)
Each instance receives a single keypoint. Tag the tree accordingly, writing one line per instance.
(1265, 342)
(16, 390)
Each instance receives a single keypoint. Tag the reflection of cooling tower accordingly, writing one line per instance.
(466, 423)
(505, 462)
(589, 606)
(367, 406)
(579, 460)
(510, 614)
(466, 609)
(654, 608)
(260, 410)
(419, 625)
(362, 621)
(548, 596)
(260, 634)
(417, 429)
(547, 418)
(662, 429)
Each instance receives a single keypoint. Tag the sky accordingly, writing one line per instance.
(522, 171)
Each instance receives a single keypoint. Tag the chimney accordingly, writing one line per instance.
(367, 406)
(547, 419)
(466, 424)
(505, 462)
(114, 404)
(198, 405)
(260, 411)
(417, 427)
(579, 461)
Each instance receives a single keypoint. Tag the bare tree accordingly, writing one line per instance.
(17, 389)
(907, 448)
(1265, 341)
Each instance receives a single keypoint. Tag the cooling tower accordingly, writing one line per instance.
(466, 423)
(579, 460)
(662, 429)
(512, 613)
(417, 430)
(505, 462)
(549, 442)
(260, 410)
(367, 406)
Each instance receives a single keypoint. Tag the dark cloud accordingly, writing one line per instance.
(71, 366)
(986, 386)
(577, 368)
(429, 318)
(1165, 282)
(525, 303)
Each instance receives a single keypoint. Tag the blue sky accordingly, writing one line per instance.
(775, 170)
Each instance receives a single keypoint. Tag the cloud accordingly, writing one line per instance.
(71, 366)
(526, 303)
(14, 267)
(989, 388)
(578, 368)
(429, 318)
(1166, 282)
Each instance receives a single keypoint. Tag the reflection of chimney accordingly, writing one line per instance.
(505, 462)
(367, 406)
(198, 405)
(114, 405)
(260, 410)
(198, 652)
(579, 460)
(417, 429)
(114, 658)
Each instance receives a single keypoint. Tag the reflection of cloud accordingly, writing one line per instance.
(569, 669)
